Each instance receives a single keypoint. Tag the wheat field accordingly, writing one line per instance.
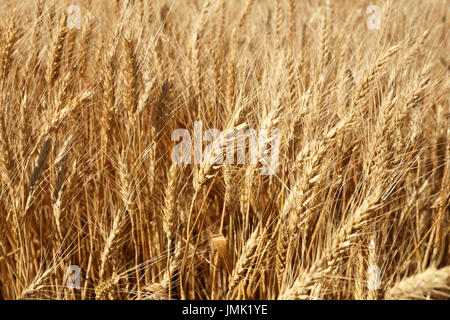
(93, 205)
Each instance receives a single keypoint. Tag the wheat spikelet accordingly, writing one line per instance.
(243, 19)
(85, 43)
(112, 240)
(243, 263)
(231, 190)
(129, 75)
(429, 282)
(6, 54)
(292, 24)
(55, 120)
(325, 36)
(282, 248)
(108, 99)
(364, 87)
(103, 289)
(169, 211)
(5, 157)
(56, 54)
(38, 168)
(197, 43)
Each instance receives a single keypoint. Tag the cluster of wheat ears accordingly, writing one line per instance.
(359, 205)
